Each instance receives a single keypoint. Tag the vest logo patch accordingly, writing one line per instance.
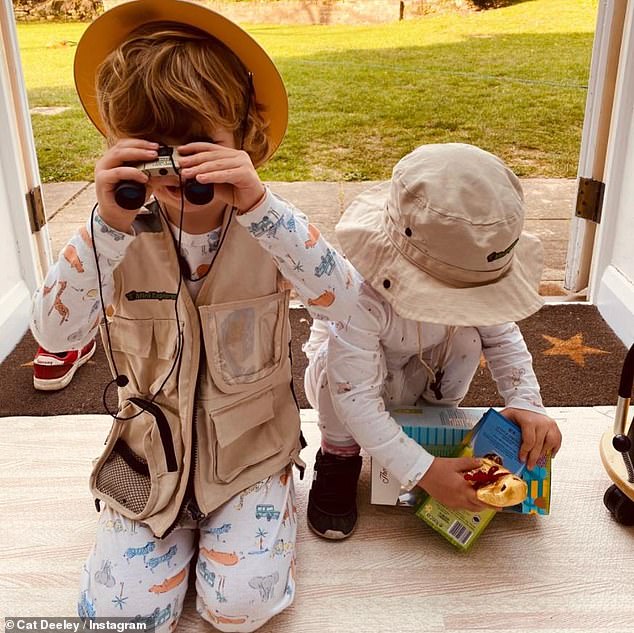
(498, 255)
(138, 295)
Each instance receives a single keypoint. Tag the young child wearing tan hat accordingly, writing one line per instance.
(436, 272)
(198, 464)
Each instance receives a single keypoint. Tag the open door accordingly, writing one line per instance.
(606, 54)
(612, 272)
(25, 255)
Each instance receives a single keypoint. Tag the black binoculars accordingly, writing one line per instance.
(130, 194)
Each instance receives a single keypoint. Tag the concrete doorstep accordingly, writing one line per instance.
(549, 209)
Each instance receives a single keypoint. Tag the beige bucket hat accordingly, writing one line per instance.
(443, 242)
(112, 28)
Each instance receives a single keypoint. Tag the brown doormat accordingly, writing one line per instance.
(577, 359)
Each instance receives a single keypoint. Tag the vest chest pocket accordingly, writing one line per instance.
(243, 435)
(246, 342)
(144, 350)
(138, 471)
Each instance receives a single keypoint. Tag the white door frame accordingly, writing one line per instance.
(19, 175)
(612, 291)
(595, 136)
(34, 245)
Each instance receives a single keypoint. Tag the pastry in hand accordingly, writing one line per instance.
(495, 485)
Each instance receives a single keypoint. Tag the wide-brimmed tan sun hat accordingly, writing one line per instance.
(112, 28)
(443, 242)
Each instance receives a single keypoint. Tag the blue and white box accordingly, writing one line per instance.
(440, 430)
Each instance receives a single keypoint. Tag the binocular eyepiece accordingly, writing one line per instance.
(130, 194)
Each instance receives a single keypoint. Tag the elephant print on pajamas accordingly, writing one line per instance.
(265, 585)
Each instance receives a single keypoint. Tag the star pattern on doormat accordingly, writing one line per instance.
(569, 361)
(572, 347)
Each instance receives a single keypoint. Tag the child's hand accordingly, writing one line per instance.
(110, 169)
(230, 170)
(445, 482)
(540, 434)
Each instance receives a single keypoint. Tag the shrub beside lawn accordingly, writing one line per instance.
(512, 80)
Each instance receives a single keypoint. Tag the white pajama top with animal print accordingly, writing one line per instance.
(366, 356)
(245, 550)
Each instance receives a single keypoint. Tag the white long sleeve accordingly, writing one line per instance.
(67, 309)
(358, 318)
(511, 366)
(368, 341)
(326, 282)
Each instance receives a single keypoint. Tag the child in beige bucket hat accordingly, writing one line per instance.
(443, 241)
(436, 272)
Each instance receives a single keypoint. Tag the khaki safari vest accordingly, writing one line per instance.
(224, 416)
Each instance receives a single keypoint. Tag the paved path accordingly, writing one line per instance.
(549, 206)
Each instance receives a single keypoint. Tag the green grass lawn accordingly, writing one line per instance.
(512, 80)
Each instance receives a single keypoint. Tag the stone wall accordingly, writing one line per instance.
(327, 11)
(60, 10)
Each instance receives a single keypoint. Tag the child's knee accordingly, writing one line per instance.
(315, 377)
(252, 602)
(94, 603)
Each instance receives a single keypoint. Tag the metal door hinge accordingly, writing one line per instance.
(590, 199)
(35, 205)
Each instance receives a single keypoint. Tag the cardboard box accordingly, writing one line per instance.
(492, 434)
(440, 430)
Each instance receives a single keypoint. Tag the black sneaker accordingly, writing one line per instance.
(332, 501)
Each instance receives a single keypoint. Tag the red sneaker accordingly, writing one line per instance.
(54, 370)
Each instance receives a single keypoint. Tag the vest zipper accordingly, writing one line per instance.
(189, 498)
(188, 503)
(302, 440)
(190, 494)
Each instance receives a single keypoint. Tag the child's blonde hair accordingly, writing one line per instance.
(178, 83)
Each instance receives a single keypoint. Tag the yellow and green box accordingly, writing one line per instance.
(493, 434)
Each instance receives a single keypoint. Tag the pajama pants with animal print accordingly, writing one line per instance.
(245, 563)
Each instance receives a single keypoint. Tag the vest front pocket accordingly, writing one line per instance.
(144, 350)
(242, 437)
(246, 342)
(139, 470)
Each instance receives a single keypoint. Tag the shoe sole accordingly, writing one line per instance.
(331, 535)
(55, 384)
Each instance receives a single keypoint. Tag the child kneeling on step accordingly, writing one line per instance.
(197, 466)
(436, 272)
